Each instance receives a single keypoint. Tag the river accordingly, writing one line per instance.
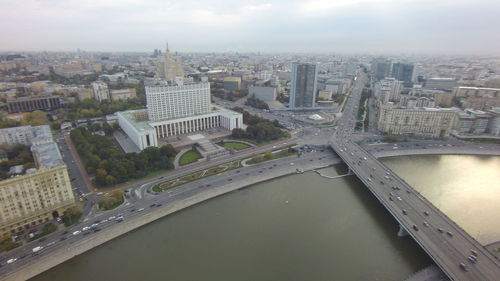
(300, 227)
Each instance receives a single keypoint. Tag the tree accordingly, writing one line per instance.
(108, 129)
(239, 133)
(34, 118)
(55, 125)
(110, 180)
(95, 127)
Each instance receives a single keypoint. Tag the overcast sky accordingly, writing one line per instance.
(336, 26)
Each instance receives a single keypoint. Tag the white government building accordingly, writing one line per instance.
(175, 110)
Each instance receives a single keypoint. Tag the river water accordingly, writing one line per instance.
(300, 227)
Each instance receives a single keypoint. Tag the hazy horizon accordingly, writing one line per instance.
(376, 27)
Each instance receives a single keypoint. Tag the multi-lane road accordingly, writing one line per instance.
(454, 251)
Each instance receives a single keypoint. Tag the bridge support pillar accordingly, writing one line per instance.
(402, 232)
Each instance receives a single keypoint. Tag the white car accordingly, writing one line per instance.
(140, 210)
(77, 232)
(94, 225)
(111, 218)
(37, 249)
(291, 164)
(11, 260)
(85, 228)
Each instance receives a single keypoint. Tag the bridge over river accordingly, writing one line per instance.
(459, 255)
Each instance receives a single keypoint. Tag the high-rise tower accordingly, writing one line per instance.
(303, 92)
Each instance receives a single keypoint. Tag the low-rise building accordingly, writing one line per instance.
(123, 94)
(428, 122)
(441, 83)
(232, 83)
(263, 93)
(325, 95)
(478, 98)
(32, 103)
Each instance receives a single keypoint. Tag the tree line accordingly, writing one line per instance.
(258, 128)
(256, 103)
(110, 165)
(89, 108)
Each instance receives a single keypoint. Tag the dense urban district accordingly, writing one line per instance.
(95, 144)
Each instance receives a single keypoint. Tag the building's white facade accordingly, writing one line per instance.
(101, 91)
(15, 135)
(169, 102)
(430, 122)
(27, 135)
(147, 133)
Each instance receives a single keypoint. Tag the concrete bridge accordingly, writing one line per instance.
(446, 243)
(458, 255)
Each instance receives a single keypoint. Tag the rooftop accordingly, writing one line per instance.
(47, 155)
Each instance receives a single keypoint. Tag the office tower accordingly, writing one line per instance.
(404, 72)
(303, 92)
(168, 102)
(381, 68)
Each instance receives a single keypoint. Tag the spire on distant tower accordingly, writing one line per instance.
(167, 47)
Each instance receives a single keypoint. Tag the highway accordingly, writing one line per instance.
(454, 251)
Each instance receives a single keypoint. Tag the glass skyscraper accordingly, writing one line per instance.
(303, 92)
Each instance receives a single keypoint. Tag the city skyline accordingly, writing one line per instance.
(357, 26)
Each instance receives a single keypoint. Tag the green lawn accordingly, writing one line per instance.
(189, 157)
(234, 145)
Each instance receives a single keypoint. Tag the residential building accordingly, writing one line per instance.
(478, 98)
(123, 94)
(263, 93)
(101, 91)
(428, 122)
(32, 103)
(232, 83)
(42, 193)
(388, 90)
(303, 89)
